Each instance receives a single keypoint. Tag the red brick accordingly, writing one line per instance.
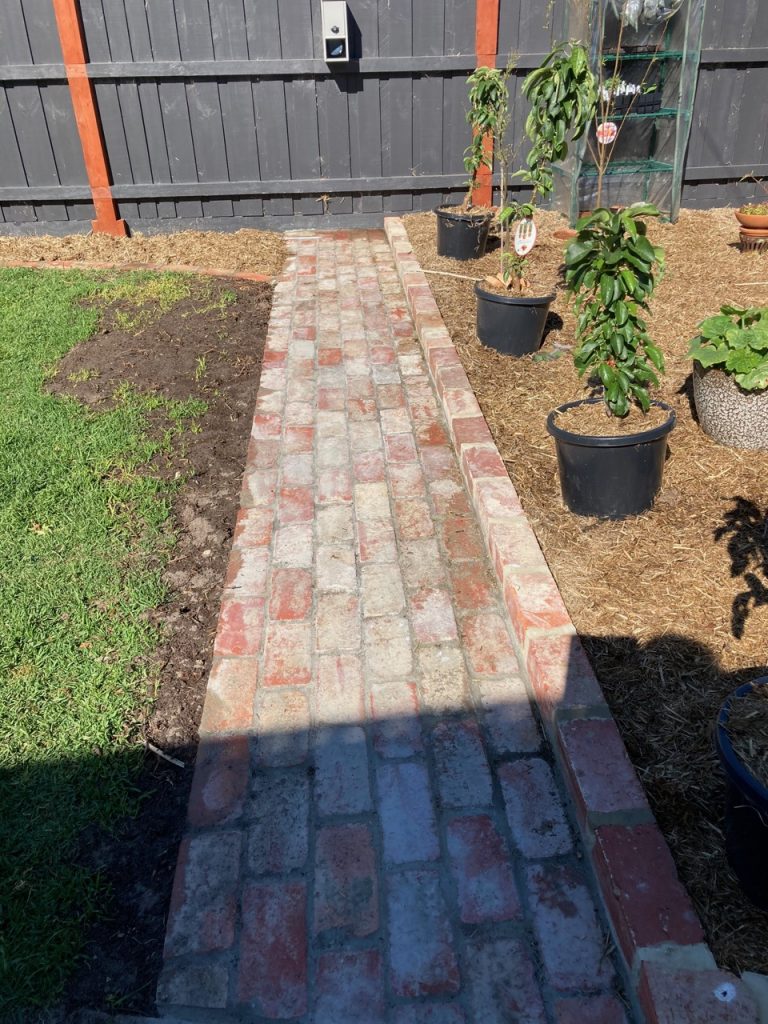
(266, 427)
(601, 775)
(481, 460)
(390, 396)
(278, 839)
(396, 720)
(288, 654)
(502, 983)
(201, 917)
(399, 448)
(461, 538)
(406, 813)
(341, 771)
(534, 809)
(422, 959)
(463, 777)
(534, 603)
(561, 676)
(473, 586)
(470, 430)
(294, 545)
(194, 984)
(704, 997)
(241, 626)
(349, 983)
(428, 434)
(513, 545)
(247, 572)
(297, 469)
(331, 399)
(428, 1013)
(273, 950)
(414, 519)
(451, 377)
(482, 871)
(591, 1009)
(259, 487)
(334, 484)
(439, 463)
(360, 410)
(282, 720)
(450, 498)
(487, 644)
(381, 355)
(338, 622)
(376, 540)
(329, 357)
(229, 695)
(291, 596)
(432, 616)
(296, 505)
(299, 440)
(567, 928)
(299, 414)
(346, 881)
(369, 467)
(508, 715)
(220, 784)
(645, 900)
(340, 696)
(459, 403)
(395, 421)
(253, 527)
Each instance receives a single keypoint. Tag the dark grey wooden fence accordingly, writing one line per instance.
(223, 110)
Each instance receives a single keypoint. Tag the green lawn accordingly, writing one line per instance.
(83, 536)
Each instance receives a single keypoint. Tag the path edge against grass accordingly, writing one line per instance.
(655, 927)
(155, 268)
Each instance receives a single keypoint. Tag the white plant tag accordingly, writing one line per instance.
(525, 236)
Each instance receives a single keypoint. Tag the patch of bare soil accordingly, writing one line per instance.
(673, 605)
(261, 252)
(225, 339)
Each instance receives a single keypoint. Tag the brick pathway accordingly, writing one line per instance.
(375, 832)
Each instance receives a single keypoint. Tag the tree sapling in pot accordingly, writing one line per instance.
(611, 447)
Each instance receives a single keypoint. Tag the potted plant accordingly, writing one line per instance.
(511, 311)
(742, 744)
(730, 376)
(754, 216)
(462, 231)
(611, 448)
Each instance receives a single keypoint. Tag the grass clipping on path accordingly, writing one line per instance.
(672, 605)
(83, 537)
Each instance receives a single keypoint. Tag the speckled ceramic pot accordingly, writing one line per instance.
(728, 414)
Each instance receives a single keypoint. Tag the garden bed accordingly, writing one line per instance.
(116, 660)
(672, 606)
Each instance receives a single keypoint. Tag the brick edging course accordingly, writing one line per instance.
(656, 928)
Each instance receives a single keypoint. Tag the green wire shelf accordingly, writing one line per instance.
(630, 167)
(645, 55)
(661, 112)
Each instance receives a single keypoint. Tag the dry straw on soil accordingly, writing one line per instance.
(670, 615)
(260, 252)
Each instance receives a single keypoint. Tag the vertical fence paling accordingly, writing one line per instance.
(70, 29)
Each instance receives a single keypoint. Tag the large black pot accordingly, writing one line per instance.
(462, 236)
(746, 811)
(610, 477)
(511, 324)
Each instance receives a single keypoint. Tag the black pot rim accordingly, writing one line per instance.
(513, 300)
(733, 763)
(471, 218)
(611, 440)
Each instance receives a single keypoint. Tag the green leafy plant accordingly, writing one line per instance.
(487, 106)
(736, 341)
(611, 270)
(563, 94)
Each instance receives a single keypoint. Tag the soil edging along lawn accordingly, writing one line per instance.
(653, 920)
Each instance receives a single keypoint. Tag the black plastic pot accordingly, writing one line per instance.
(645, 103)
(511, 324)
(610, 477)
(462, 236)
(746, 811)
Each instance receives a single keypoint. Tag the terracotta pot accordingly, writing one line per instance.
(727, 413)
(755, 221)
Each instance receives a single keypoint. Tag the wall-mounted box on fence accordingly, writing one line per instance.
(335, 30)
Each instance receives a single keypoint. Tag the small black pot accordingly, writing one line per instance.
(511, 324)
(646, 103)
(610, 477)
(746, 811)
(462, 236)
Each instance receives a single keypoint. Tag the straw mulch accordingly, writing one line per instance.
(261, 252)
(673, 605)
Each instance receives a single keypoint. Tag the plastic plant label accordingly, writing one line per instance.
(606, 133)
(525, 237)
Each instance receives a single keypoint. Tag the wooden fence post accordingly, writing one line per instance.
(486, 49)
(72, 40)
